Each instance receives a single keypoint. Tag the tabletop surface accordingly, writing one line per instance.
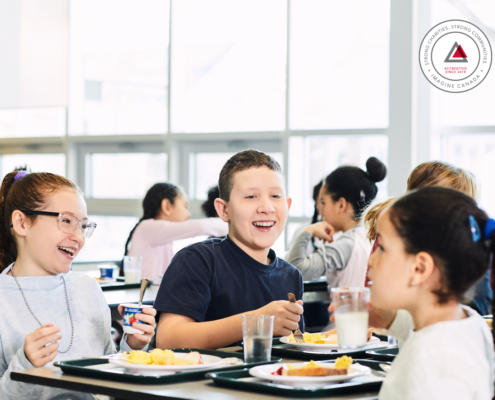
(194, 390)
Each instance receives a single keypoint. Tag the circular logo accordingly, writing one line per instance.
(455, 56)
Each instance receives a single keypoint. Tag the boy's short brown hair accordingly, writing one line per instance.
(239, 162)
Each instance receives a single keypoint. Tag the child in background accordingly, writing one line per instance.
(433, 244)
(346, 192)
(165, 219)
(210, 285)
(50, 313)
(437, 173)
(315, 242)
(208, 206)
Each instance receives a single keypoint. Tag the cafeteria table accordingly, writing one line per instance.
(193, 390)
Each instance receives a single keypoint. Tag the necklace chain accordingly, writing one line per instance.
(37, 320)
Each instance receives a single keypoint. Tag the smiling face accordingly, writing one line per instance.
(43, 248)
(257, 209)
(390, 268)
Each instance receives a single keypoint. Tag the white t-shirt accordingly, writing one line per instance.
(451, 360)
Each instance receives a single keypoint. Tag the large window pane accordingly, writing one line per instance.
(205, 169)
(108, 240)
(118, 61)
(475, 153)
(228, 65)
(54, 163)
(124, 175)
(314, 157)
(474, 107)
(33, 49)
(33, 67)
(339, 59)
(31, 122)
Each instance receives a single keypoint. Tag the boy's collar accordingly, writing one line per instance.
(250, 261)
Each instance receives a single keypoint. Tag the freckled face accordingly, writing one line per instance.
(258, 208)
(389, 268)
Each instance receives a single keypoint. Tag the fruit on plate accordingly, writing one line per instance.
(192, 358)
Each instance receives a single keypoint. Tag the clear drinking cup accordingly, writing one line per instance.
(257, 333)
(351, 316)
(132, 269)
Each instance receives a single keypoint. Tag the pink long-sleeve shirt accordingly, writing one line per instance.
(153, 239)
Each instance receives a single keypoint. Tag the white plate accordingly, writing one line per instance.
(265, 372)
(374, 342)
(208, 362)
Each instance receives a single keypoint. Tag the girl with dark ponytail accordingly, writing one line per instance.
(434, 244)
(165, 219)
(344, 195)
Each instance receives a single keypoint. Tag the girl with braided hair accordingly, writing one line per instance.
(165, 219)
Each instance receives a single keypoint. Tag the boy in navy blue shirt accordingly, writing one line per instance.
(210, 285)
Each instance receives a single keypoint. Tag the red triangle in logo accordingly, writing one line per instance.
(459, 53)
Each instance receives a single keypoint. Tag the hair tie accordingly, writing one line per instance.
(20, 174)
(475, 229)
(489, 229)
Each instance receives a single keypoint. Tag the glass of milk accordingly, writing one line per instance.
(351, 315)
(132, 269)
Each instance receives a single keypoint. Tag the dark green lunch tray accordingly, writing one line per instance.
(78, 367)
(287, 351)
(231, 379)
(387, 354)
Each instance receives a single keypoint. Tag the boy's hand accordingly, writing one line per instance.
(321, 230)
(137, 341)
(287, 316)
(34, 345)
(378, 318)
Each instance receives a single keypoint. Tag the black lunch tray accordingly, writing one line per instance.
(120, 284)
(237, 380)
(79, 367)
(387, 354)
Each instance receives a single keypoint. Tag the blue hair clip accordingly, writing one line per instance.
(475, 229)
(489, 229)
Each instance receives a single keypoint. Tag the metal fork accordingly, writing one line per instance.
(298, 336)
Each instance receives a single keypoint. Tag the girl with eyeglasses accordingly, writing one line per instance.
(50, 313)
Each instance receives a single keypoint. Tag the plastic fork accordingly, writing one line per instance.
(298, 336)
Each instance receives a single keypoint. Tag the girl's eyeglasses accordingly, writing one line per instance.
(69, 223)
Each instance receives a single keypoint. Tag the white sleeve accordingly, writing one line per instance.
(442, 373)
(444, 388)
